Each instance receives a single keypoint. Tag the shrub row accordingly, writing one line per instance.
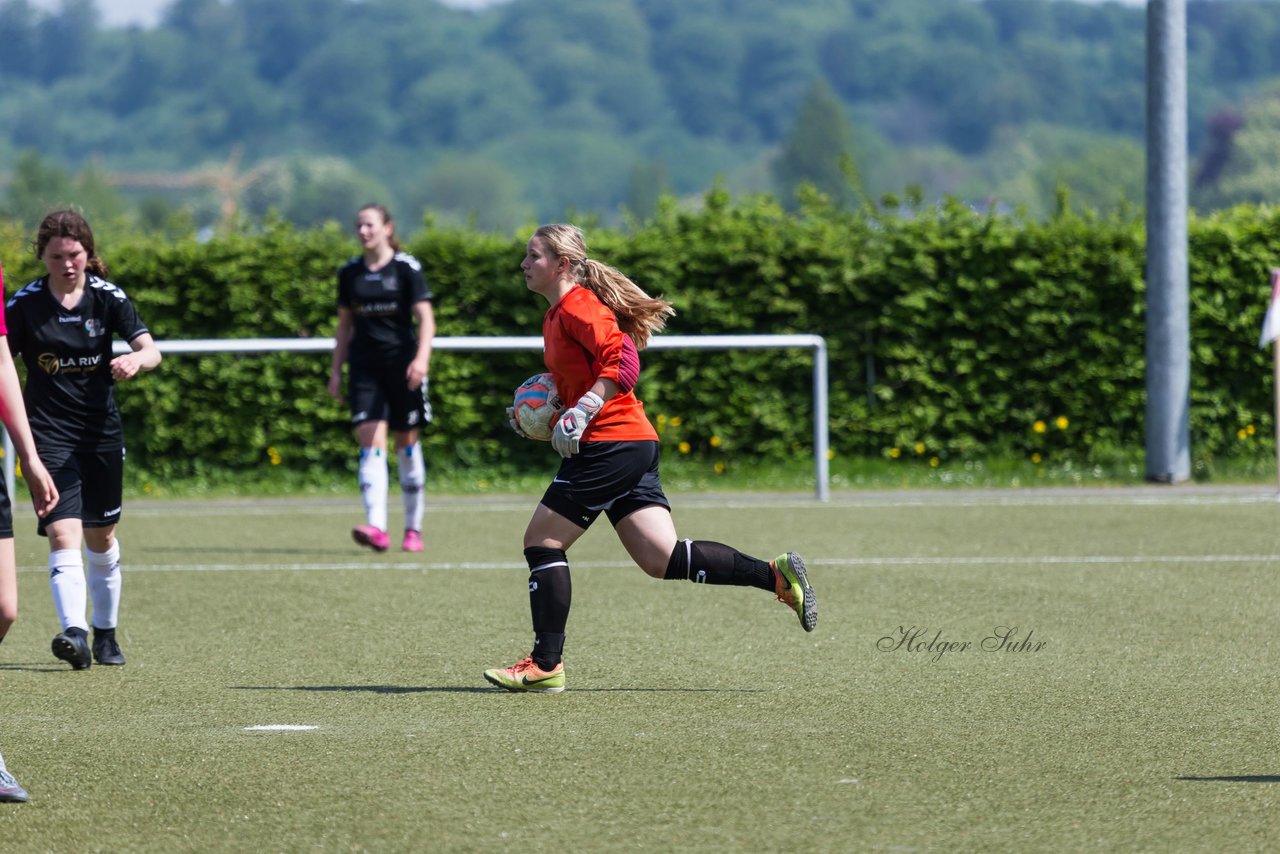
(951, 332)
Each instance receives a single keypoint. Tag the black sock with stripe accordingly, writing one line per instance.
(705, 562)
(550, 592)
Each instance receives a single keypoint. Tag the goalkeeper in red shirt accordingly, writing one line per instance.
(592, 333)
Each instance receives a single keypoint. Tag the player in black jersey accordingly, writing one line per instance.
(62, 325)
(381, 294)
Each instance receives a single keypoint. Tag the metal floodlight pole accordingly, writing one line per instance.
(1168, 330)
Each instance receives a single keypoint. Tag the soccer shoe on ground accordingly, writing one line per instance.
(106, 651)
(525, 675)
(10, 791)
(412, 542)
(73, 649)
(791, 586)
(374, 538)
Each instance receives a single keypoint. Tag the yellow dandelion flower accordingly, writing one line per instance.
(1062, 423)
(684, 447)
(715, 441)
(919, 448)
(831, 453)
(894, 453)
(1250, 430)
(675, 421)
(1035, 458)
(935, 462)
(1241, 434)
(1038, 427)
(719, 467)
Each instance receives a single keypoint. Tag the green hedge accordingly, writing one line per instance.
(952, 333)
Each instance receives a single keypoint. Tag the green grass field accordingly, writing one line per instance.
(696, 719)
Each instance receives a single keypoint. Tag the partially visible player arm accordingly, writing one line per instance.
(421, 364)
(145, 357)
(341, 344)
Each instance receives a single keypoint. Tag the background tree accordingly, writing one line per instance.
(818, 150)
(936, 90)
(1252, 169)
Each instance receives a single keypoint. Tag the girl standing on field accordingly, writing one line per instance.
(62, 325)
(597, 322)
(382, 294)
(44, 495)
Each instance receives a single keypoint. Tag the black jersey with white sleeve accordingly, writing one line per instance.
(381, 304)
(69, 392)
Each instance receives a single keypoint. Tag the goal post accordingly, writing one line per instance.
(467, 343)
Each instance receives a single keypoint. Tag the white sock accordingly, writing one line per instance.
(104, 585)
(373, 486)
(66, 582)
(413, 476)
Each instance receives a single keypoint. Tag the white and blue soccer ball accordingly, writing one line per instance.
(537, 403)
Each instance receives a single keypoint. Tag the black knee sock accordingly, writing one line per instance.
(550, 591)
(705, 562)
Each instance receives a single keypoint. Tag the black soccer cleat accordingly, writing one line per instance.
(73, 649)
(105, 649)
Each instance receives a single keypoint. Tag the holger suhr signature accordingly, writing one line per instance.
(932, 644)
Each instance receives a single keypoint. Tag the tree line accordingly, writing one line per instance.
(526, 111)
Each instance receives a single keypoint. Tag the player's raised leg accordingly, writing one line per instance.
(650, 538)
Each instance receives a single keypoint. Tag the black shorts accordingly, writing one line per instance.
(382, 394)
(618, 478)
(90, 486)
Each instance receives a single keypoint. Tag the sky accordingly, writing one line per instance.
(146, 13)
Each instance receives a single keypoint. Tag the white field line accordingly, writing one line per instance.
(1119, 497)
(940, 561)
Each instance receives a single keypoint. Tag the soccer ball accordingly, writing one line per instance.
(537, 404)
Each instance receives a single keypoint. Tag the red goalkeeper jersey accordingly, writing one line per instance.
(582, 343)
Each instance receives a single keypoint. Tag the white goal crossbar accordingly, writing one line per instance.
(466, 343)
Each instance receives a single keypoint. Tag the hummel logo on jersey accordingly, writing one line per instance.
(75, 319)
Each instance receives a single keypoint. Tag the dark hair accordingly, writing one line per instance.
(70, 224)
(392, 240)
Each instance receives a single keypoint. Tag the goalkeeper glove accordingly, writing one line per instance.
(515, 425)
(573, 423)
